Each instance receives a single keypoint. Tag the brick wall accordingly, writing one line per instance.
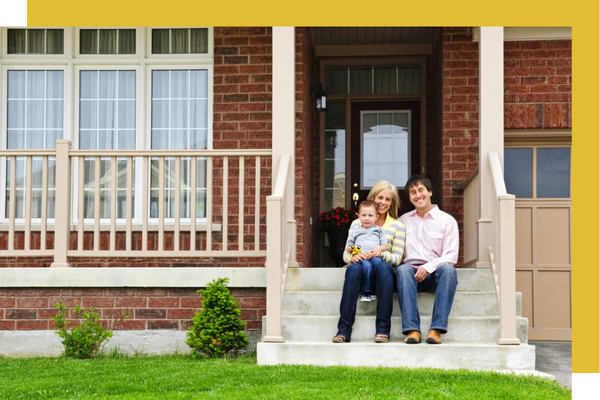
(537, 84)
(158, 308)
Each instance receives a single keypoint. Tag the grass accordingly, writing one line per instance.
(181, 377)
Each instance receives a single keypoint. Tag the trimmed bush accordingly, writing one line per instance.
(217, 329)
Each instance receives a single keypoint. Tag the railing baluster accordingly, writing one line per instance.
(178, 161)
(193, 199)
(129, 204)
(81, 204)
(225, 202)
(257, 205)
(44, 208)
(209, 202)
(146, 200)
(28, 198)
(13, 203)
(241, 205)
(161, 203)
(97, 204)
(113, 203)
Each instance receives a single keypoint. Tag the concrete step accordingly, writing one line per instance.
(328, 303)
(474, 356)
(332, 279)
(460, 329)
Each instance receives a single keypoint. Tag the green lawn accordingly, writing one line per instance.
(180, 377)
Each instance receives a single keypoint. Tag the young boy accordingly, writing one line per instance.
(367, 237)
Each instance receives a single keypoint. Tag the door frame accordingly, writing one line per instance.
(348, 99)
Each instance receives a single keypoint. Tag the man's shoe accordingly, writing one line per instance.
(434, 337)
(413, 337)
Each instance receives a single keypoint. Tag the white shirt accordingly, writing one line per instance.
(432, 240)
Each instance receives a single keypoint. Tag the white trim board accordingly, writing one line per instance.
(130, 277)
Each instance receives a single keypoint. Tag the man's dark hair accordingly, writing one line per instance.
(416, 179)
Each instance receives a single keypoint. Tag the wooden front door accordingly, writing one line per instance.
(385, 144)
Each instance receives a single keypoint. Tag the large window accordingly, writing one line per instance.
(179, 122)
(129, 99)
(34, 121)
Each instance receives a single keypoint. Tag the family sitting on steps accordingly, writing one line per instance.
(414, 253)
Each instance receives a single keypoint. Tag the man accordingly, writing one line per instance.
(428, 266)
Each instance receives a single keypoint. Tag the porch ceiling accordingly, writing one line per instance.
(396, 40)
(373, 35)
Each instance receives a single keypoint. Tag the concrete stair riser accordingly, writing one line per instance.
(447, 356)
(460, 329)
(328, 303)
(332, 279)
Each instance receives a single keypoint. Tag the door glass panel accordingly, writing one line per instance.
(553, 172)
(385, 147)
(335, 155)
(518, 172)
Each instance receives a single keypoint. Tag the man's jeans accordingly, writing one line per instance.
(384, 288)
(368, 266)
(442, 282)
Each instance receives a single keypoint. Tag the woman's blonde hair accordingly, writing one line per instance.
(381, 186)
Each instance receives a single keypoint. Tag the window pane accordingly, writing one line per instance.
(335, 155)
(199, 41)
(88, 41)
(553, 173)
(36, 41)
(108, 41)
(518, 172)
(336, 80)
(409, 80)
(160, 41)
(16, 41)
(104, 111)
(385, 80)
(385, 148)
(360, 81)
(126, 41)
(179, 41)
(54, 39)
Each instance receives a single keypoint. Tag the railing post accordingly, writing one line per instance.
(275, 240)
(507, 270)
(62, 212)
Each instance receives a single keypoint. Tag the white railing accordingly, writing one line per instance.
(470, 190)
(502, 252)
(158, 203)
(278, 248)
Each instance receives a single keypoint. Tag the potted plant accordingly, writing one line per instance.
(335, 223)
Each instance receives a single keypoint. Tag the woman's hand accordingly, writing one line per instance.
(359, 257)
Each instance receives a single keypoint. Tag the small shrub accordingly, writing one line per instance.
(85, 339)
(218, 328)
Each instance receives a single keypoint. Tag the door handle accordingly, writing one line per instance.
(355, 198)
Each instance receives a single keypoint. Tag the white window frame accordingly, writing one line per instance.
(71, 62)
(4, 123)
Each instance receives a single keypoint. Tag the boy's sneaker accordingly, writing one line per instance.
(365, 297)
(373, 297)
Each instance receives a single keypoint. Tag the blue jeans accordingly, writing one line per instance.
(383, 276)
(442, 282)
(368, 266)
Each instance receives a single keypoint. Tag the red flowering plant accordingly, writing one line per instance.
(336, 218)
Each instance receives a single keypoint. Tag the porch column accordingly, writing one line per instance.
(491, 129)
(284, 127)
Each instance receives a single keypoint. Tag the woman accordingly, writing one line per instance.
(385, 196)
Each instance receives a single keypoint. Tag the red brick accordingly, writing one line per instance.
(163, 325)
(131, 302)
(180, 313)
(132, 325)
(20, 314)
(7, 325)
(28, 302)
(7, 302)
(31, 325)
(98, 302)
(149, 313)
(163, 302)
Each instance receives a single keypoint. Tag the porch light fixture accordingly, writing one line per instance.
(320, 96)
